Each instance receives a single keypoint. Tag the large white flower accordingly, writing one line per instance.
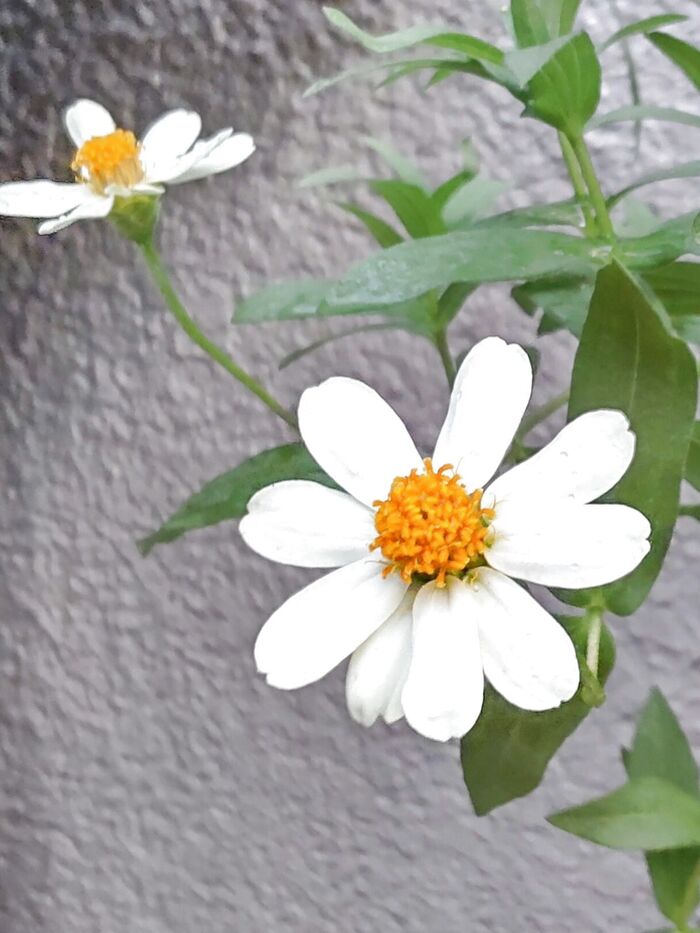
(424, 599)
(110, 162)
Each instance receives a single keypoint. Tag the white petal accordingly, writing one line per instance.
(323, 624)
(356, 437)
(41, 198)
(172, 171)
(583, 461)
(378, 669)
(307, 525)
(528, 657)
(444, 691)
(169, 137)
(85, 119)
(97, 206)
(490, 394)
(226, 155)
(559, 544)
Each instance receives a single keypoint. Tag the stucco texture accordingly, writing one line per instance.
(150, 781)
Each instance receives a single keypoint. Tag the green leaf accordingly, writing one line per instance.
(686, 170)
(299, 354)
(556, 214)
(439, 35)
(402, 167)
(472, 201)
(642, 27)
(522, 64)
(507, 752)
(529, 24)
(661, 750)
(564, 303)
(692, 466)
(681, 53)
(451, 302)
(333, 175)
(414, 208)
(227, 496)
(382, 232)
(483, 254)
(630, 361)
(677, 286)
(403, 67)
(646, 813)
(282, 301)
(565, 92)
(644, 112)
(674, 878)
(678, 237)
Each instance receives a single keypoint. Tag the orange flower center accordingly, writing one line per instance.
(431, 525)
(109, 160)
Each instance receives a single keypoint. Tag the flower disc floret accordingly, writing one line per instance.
(430, 525)
(109, 160)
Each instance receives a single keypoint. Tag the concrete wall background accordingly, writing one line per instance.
(149, 781)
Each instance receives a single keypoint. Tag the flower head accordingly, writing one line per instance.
(424, 599)
(110, 163)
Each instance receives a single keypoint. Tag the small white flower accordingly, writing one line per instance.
(424, 599)
(110, 162)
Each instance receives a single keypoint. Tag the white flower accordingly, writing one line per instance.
(424, 599)
(110, 162)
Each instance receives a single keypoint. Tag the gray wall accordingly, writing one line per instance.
(150, 781)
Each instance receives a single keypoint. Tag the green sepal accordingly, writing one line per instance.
(136, 217)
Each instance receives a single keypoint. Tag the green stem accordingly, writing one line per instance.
(598, 201)
(443, 349)
(593, 646)
(579, 185)
(541, 414)
(177, 309)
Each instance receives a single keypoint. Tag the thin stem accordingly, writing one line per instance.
(593, 646)
(598, 201)
(541, 414)
(177, 309)
(579, 185)
(443, 349)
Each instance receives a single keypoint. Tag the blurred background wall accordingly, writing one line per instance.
(150, 782)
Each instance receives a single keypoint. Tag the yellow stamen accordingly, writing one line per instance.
(109, 160)
(431, 525)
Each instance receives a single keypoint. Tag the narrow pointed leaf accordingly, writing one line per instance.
(282, 301)
(646, 813)
(475, 255)
(414, 208)
(333, 175)
(227, 496)
(682, 54)
(299, 354)
(628, 359)
(402, 167)
(565, 92)
(642, 27)
(382, 232)
(644, 112)
(686, 170)
(661, 750)
(436, 35)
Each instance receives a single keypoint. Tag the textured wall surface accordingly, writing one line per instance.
(149, 781)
